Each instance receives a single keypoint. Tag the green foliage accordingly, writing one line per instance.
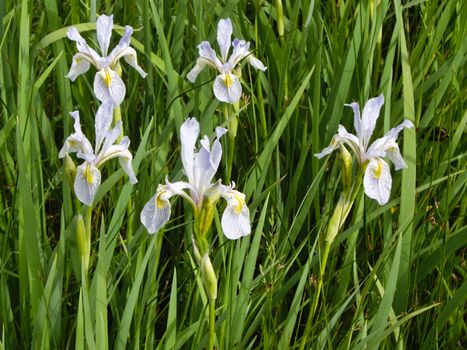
(396, 275)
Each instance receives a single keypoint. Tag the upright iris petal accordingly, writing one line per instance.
(377, 180)
(227, 87)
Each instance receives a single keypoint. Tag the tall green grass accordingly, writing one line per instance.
(396, 275)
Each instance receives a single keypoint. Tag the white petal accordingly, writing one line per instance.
(193, 73)
(102, 121)
(370, 115)
(189, 132)
(109, 85)
(122, 45)
(395, 155)
(227, 88)
(236, 217)
(87, 181)
(224, 34)
(77, 141)
(206, 52)
(79, 65)
(357, 122)
(104, 25)
(239, 52)
(125, 159)
(377, 180)
(350, 140)
(379, 147)
(156, 212)
(83, 46)
(130, 57)
(335, 143)
(256, 63)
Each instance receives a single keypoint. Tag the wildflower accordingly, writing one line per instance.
(227, 86)
(200, 168)
(88, 176)
(107, 82)
(377, 180)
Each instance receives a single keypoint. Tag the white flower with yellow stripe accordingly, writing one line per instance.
(88, 176)
(227, 86)
(377, 179)
(107, 83)
(200, 168)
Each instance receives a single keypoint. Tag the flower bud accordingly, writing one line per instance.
(346, 159)
(83, 242)
(209, 277)
(70, 170)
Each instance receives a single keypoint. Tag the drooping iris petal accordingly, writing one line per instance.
(394, 154)
(224, 34)
(256, 63)
(379, 146)
(104, 25)
(194, 72)
(335, 144)
(370, 115)
(83, 46)
(235, 220)
(77, 141)
(87, 181)
(377, 180)
(79, 65)
(156, 212)
(109, 85)
(227, 88)
(130, 57)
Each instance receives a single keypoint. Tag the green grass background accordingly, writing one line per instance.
(396, 274)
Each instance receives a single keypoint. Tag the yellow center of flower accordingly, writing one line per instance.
(240, 203)
(88, 175)
(378, 170)
(228, 80)
(107, 78)
(160, 203)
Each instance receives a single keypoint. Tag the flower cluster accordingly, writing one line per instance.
(110, 90)
(377, 180)
(227, 86)
(199, 167)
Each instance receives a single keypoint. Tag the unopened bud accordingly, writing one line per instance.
(83, 242)
(346, 159)
(209, 277)
(70, 170)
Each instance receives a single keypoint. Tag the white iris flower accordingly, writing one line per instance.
(107, 82)
(200, 168)
(88, 176)
(227, 86)
(377, 180)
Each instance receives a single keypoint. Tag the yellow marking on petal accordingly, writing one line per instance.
(378, 170)
(160, 203)
(107, 78)
(240, 203)
(228, 80)
(88, 175)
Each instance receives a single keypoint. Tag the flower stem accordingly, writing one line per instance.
(212, 323)
(232, 126)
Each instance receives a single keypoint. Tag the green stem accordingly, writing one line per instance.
(322, 268)
(212, 323)
(232, 125)
(337, 220)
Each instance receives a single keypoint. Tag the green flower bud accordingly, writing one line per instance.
(209, 277)
(70, 170)
(83, 242)
(346, 159)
